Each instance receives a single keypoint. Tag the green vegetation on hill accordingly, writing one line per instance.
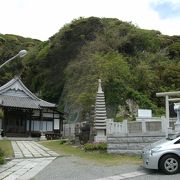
(10, 45)
(133, 64)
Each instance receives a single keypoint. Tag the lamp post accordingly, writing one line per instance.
(21, 53)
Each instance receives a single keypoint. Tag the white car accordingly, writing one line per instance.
(163, 155)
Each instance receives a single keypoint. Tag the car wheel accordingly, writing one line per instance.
(170, 164)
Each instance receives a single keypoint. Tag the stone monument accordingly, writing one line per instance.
(177, 110)
(42, 137)
(100, 116)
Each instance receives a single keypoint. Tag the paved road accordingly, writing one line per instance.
(157, 175)
(38, 162)
(74, 168)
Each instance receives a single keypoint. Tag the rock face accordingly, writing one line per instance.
(129, 110)
(100, 115)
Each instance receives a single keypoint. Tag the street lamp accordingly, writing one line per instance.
(21, 53)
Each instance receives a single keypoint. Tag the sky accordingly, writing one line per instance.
(41, 19)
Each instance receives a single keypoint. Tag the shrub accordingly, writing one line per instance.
(101, 146)
(1, 156)
(62, 141)
(89, 147)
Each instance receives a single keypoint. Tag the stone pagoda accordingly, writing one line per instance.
(100, 116)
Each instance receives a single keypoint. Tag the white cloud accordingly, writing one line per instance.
(41, 19)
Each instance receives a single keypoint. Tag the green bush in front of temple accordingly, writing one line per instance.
(63, 141)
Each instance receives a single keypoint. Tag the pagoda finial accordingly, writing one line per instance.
(99, 87)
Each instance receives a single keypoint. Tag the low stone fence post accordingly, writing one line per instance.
(163, 124)
(125, 126)
(143, 126)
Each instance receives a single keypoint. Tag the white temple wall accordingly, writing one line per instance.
(50, 122)
(56, 124)
(36, 113)
(48, 115)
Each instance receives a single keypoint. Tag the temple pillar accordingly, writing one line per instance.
(42, 137)
(30, 122)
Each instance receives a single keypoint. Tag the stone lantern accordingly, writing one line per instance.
(177, 110)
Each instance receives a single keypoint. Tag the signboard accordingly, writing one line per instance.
(145, 113)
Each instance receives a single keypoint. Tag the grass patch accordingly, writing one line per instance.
(94, 156)
(6, 148)
(1, 156)
(102, 146)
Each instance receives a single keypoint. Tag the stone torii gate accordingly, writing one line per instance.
(168, 98)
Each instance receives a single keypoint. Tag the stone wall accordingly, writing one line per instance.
(143, 125)
(131, 143)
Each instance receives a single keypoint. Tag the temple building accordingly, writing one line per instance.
(24, 114)
(100, 115)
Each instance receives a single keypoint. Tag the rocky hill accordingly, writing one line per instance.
(10, 45)
(133, 64)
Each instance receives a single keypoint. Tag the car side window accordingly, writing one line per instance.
(177, 142)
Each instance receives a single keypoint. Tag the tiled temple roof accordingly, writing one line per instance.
(16, 94)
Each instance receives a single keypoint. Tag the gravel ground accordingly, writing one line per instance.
(75, 168)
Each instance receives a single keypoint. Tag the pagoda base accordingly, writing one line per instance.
(100, 136)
